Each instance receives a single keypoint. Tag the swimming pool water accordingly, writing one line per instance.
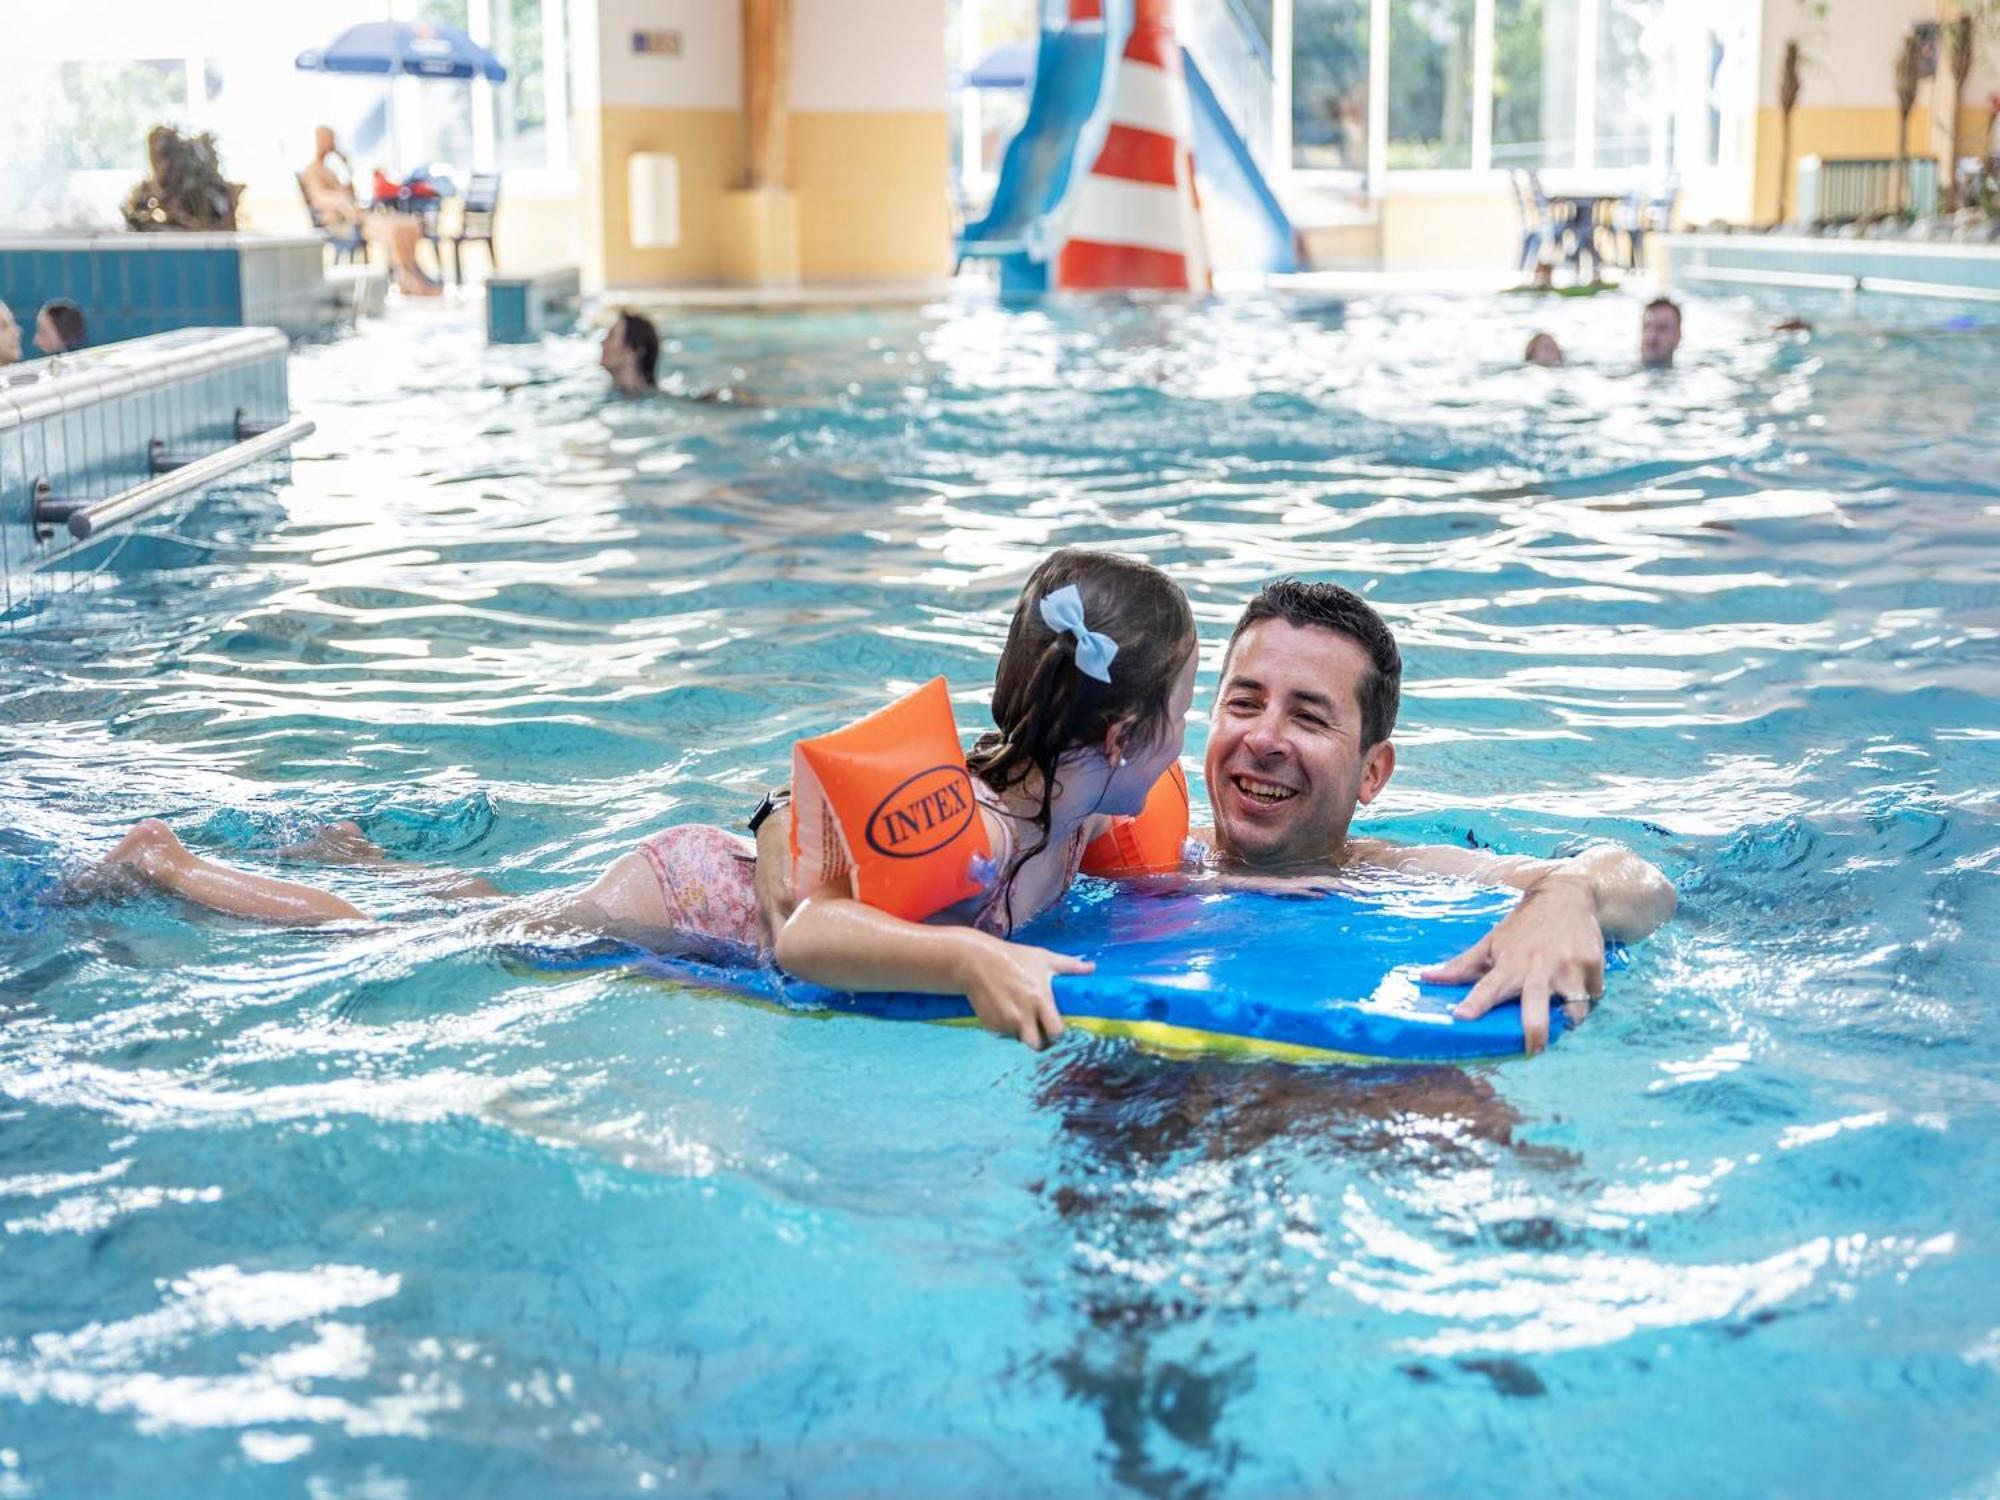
(373, 1213)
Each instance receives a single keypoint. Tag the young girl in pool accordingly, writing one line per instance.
(1091, 699)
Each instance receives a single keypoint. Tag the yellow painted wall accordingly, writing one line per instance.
(1842, 133)
(708, 143)
(873, 195)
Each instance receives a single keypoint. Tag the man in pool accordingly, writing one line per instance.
(1300, 736)
(1659, 333)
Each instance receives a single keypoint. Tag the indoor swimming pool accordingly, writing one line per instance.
(375, 1211)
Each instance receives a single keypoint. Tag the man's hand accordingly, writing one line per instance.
(1549, 946)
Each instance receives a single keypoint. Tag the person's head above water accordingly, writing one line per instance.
(10, 336)
(1097, 677)
(631, 353)
(1544, 350)
(1659, 333)
(1300, 733)
(59, 327)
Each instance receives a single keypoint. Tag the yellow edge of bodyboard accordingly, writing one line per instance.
(1153, 1036)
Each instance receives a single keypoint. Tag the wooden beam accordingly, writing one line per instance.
(767, 93)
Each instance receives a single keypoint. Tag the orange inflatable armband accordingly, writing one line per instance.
(1151, 843)
(885, 806)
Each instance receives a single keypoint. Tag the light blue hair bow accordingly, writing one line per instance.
(1062, 611)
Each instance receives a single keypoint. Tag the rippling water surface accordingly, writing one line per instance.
(371, 1213)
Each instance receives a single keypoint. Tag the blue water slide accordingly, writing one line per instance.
(1069, 115)
(1228, 172)
(1228, 68)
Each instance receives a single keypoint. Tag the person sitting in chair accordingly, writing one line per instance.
(329, 188)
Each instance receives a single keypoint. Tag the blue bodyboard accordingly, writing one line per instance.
(1194, 968)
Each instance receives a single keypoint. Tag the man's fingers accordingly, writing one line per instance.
(1535, 1015)
(1578, 1011)
(1051, 1019)
(1463, 969)
(1063, 963)
(1493, 988)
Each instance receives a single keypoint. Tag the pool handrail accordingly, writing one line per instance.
(85, 519)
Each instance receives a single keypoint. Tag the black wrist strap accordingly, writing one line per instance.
(771, 803)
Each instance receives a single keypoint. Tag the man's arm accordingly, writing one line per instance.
(1551, 946)
(1631, 898)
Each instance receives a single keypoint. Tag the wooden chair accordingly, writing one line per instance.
(475, 222)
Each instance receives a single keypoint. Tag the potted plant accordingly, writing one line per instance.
(1909, 71)
(186, 188)
(1958, 46)
(1788, 100)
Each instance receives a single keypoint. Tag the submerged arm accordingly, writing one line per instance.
(1629, 897)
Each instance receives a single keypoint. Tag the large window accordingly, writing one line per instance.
(1430, 83)
(1360, 87)
(1534, 83)
(1329, 104)
(1631, 115)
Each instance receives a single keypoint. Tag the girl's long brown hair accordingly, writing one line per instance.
(1045, 706)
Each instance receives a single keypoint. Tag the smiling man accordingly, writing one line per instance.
(1300, 737)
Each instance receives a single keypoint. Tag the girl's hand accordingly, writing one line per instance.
(1010, 987)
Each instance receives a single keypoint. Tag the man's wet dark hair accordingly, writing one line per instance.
(67, 320)
(1668, 303)
(638, 334)
(1328, 606)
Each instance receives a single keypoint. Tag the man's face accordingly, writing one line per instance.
(46, 338)
(1287, 762)
(322, 141)
(1659, 337)
(10, 336)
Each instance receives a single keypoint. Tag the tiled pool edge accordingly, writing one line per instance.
(1897, 267)
(132, 285)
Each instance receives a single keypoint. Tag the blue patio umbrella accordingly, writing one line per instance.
(390, 47)
(387, 48)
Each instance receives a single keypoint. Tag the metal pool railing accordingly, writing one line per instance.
(94, 440)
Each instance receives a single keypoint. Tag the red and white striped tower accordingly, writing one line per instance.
(1135, 221)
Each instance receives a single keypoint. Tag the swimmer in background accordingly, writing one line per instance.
(1659, 333)
(630, 354)
(1543, 350)
(1091, 699)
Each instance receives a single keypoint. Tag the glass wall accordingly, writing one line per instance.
(1329, 104)
(1630, 110)
(1534, 83)
(1430, 83)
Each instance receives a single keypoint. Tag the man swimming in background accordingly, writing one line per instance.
(1659, 333)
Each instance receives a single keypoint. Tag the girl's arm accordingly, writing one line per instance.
(834, 940)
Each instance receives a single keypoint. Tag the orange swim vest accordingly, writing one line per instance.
(885, 806)
(1151, 843)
